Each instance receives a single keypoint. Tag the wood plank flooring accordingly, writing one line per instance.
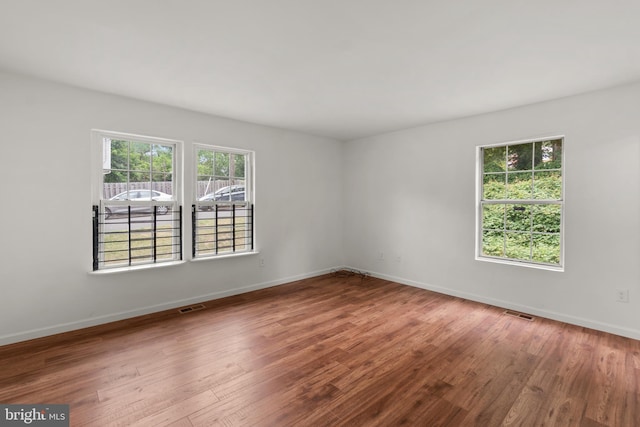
(335, 350)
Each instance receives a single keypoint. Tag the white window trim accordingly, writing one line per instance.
(249, 194)
(561, 202)
(137, 267)
(97, 179)
(225, 255)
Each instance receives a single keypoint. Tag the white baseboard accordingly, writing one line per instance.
(100, 320)
(94, 321)
(573, 320)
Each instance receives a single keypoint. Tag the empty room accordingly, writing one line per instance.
(320, 213)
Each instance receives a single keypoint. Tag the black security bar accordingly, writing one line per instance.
(126, 235)
(219, 229)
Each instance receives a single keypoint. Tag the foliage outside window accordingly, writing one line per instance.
(521, 202)
(223, 205)
(138, 216)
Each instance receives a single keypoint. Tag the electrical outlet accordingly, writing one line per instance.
(261, 262)
(622, 295)
(381, 256)
(398, 258)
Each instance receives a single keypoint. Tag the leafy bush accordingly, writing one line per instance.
(522, 231)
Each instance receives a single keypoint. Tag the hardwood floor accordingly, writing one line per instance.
(334, 350)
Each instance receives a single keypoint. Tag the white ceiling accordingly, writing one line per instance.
(338, 68)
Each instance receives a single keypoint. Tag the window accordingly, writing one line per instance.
(222, 212)
(521, 203)
(137, 217)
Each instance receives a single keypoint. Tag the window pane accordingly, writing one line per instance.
(242, 228)
(493, 243)
(205, 235)
(125, 195)
(139, 194)
(221, 164)
(205, 185)
(548, 154)
(162, 158)
(141, 245)
(139, 180)
(161, 177)
(116, 249)
(546, 218)
(164, 242)
(116, 178)
(114, 183)
(238, 162)
(238, 192)
(225, 235)
(546, 248)
(493, 217)
(520, 185)
(223, 190)
(140, 157)
(119, 155)
(162, 182)
(520, 156)
(518, 245)
(494, 159)
(494, 186)
(518, 217)
(205, 162)
(548, 185)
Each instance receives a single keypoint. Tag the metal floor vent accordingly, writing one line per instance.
(191, 308)
(519, 315)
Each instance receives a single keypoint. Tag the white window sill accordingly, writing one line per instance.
(222, 256)
(521, 264)
(137, 267)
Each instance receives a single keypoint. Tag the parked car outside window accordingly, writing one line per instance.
(138, 195)
(231, 193)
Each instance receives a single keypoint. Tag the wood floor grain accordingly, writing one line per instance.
(335, 350)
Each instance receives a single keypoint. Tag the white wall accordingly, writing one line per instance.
(411, 194)
(46, 209)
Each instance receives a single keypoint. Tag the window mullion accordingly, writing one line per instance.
(531, 232)
(504, 231)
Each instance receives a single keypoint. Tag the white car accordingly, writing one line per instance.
(138, 195)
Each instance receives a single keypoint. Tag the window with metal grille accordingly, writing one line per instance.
(133, 237)
(222, 212)
(137, 218)
(521, 203)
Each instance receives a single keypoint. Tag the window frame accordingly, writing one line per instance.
(97, 198)
(480, 203)
(248, 202)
